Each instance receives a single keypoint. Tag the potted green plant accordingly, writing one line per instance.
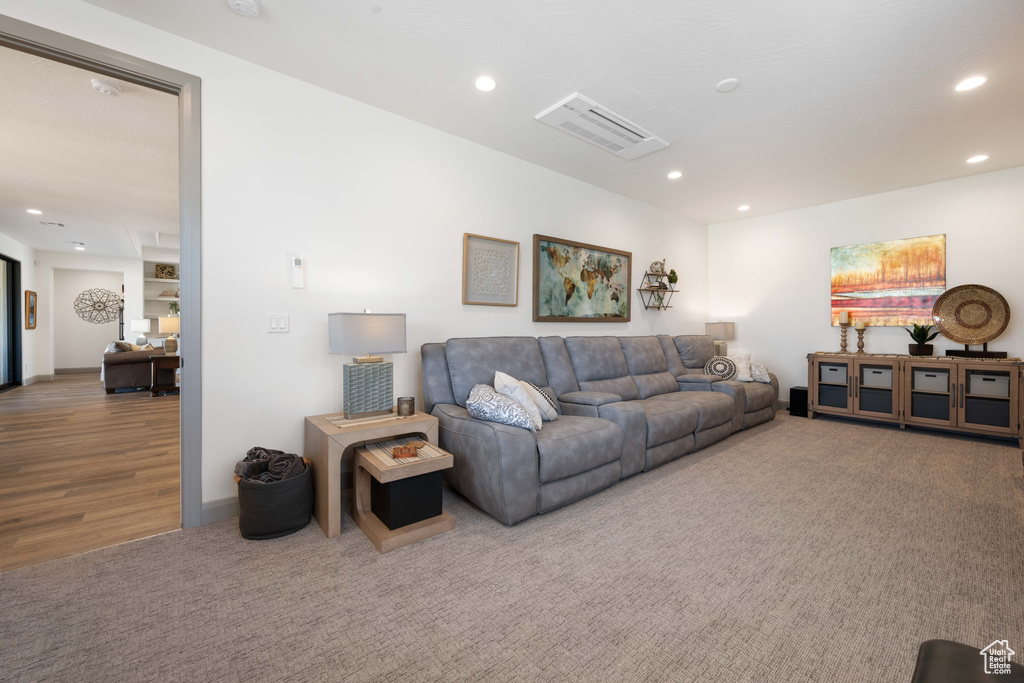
(672, 278)
(921, 334)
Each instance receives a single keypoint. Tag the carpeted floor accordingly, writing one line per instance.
(801, 550)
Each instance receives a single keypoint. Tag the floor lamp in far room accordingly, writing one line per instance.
(722, 333)
(170, 325)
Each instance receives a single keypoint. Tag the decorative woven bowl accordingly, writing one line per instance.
(971, 314)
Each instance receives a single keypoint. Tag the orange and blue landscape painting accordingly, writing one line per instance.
(889, 284)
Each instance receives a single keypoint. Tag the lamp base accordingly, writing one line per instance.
(170, 345)
(721, 348)
(141, 340)
(369, 389)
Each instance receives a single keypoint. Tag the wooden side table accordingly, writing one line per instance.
(165, 368)
(375, 462)
(331, 437)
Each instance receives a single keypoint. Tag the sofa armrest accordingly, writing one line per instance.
(630, 416)
(739, 395)
(495, 466)
(775, 387)
(589, 398)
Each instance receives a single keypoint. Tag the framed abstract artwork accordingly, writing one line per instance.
(31, 314)
(889, 284)
(490, 271)
(576, 282)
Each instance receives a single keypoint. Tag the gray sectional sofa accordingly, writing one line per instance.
(626, 404)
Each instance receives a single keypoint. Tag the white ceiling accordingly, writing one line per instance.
(838, 99)
(101, 165)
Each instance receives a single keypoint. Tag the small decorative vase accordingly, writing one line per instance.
(921, 349)
(170, 345)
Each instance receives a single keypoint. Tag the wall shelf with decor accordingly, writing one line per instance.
(161, 286)
(655, 291)
(959, 394)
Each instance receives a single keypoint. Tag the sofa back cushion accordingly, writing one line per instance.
(694, 350)
(558, 365)
(599, 365)
(474, 361)
(646, 363)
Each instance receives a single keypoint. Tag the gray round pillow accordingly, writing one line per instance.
(720, 366)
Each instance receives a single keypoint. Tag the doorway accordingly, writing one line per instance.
(185, 88)
(10, 339)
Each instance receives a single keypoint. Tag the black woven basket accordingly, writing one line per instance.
(275, 509)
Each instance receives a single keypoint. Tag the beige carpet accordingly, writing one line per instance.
(800, 550)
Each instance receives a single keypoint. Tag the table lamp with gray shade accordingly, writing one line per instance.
(369, 381)
(170, 325)
(141, 325)
(721, 333)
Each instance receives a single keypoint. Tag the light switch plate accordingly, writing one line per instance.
(278, 323)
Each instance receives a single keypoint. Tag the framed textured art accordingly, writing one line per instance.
(30, 310)
(889, 284)
(576, 282)
(490, 271)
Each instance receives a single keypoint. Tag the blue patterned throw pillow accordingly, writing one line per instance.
(484, 403)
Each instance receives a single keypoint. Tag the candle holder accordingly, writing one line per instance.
(842, 337)
(860, 341)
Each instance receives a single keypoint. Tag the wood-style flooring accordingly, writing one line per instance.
(81, 469)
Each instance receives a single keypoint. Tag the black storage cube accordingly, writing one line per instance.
(798, 401)
(987, 411)
(406, 501)
(929, 406)
(273, 509)
(876, 400)
(832, 396)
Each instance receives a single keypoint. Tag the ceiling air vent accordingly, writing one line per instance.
(589, 121)
(52, 224)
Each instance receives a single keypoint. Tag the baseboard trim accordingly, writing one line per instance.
(219, 510)
(36, 378)
(76, 371)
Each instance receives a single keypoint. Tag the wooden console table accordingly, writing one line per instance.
(329, 438)
(959, 394)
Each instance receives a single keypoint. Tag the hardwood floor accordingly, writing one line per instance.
(81, 470)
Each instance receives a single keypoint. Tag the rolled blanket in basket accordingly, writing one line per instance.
(269, 465)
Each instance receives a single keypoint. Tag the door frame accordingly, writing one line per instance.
(25, 37)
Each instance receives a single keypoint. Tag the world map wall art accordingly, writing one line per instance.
(889, 284)
(575, 282)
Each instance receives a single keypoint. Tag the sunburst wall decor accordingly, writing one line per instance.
(98, 306)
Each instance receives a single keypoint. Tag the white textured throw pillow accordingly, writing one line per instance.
(760, 373)
(742, 362)
(548, 410)
(720, 366)
(484, 403)
(509, 386)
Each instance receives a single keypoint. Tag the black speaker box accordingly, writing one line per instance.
(798, 401)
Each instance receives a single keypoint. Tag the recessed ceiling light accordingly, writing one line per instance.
(970, 83)
(728, 85)
(79, 248)
(247, 8)
(675, 175)
(977, 158)
(743, 208)
(34, 211)
(486, 83)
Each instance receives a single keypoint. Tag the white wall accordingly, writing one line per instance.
(19, 252)
(76, 342)
(771, 274)
(379, 217)
(50, 263)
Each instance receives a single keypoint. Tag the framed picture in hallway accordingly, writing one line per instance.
(889, 284)
(30, 310)
(576, 282)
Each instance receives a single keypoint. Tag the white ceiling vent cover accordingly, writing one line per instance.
(589, 121)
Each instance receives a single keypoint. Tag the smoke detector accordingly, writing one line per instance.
(587, 120)
(247, 8)
(105, 87)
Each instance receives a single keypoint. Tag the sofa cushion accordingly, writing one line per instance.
(694, 349)
(595, 358)
(623, 387)
(759, 396)
(655, 383)
(713, 408)
(643, 355)
(571, 445)
(557, 365)
(474, 361)
(667, 420)
(484, 403)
